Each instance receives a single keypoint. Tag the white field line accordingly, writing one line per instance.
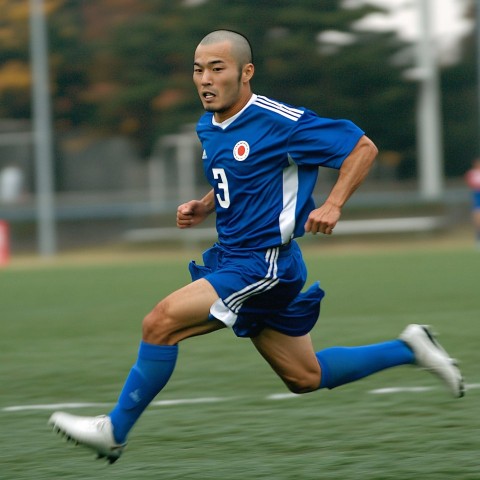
(73, 406)
(389, 390)
(188, 401)
(54, 406)
(203, 400)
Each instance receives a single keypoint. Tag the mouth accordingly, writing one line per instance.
(208, 96)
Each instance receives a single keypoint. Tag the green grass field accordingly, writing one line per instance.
(69, 334)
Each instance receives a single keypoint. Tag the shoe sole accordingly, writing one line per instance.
(110, 458)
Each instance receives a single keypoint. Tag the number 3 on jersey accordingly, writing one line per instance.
(219, 173)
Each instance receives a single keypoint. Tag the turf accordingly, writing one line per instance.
(70, 333)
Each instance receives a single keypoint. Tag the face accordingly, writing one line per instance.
(223, 88)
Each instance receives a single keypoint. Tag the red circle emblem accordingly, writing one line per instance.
(241, 150)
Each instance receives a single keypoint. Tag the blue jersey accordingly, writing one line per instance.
(263, 165)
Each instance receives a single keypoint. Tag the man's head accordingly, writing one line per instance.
(222, 71)
(241, 48)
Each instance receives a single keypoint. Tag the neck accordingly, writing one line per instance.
(234, 109)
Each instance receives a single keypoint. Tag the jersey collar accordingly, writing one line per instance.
(223, 125)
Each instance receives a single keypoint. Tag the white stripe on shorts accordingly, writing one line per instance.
(235, 301)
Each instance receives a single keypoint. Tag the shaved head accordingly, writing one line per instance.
(222, 70)
(241, 49)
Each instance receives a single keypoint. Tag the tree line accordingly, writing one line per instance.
(124, 67)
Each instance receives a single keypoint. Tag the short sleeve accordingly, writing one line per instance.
(317, 141)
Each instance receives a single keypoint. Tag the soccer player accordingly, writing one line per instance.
(472, 178)
(262, 159)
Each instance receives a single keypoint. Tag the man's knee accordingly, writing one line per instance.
(305, 384)
(158, 326)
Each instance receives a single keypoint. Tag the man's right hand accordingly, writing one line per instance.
(191, 214)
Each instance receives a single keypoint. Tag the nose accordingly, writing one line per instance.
(206, 78)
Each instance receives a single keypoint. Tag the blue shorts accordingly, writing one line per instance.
(260, 288)
(476, 200)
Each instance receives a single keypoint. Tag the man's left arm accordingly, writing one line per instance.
(351, 174)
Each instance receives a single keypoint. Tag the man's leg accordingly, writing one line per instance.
(303, 370)
(341, 365)
(182, 314)
(151, 372)
(292, 358)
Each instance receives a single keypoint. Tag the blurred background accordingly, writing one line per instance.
(98, 110)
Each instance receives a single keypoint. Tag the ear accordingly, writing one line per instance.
(248, 71)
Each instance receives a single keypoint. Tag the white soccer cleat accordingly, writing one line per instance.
(431, 356)
(93, 432)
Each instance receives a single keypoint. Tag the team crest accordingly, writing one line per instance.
(241, 150)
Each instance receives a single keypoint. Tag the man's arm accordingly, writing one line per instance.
(194, 212)
(351, 174)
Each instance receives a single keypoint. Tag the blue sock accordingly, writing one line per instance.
(341, 365)
(151, 372)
